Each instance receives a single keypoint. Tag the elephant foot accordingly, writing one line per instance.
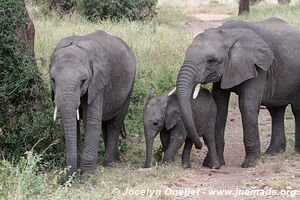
(250, 161)
(111, 162)
(273, 150)
(168, 162)
(186, 165)
(147, 165)
(86, 174)
(213, 164)
(222, 161)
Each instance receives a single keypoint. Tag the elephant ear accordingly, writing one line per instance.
(99, 66)
(247, 51)
(100, 76)
(172, 114)
(65, 42)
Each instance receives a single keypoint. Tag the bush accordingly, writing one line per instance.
(61, 6)
(253, 2)
(95, 10)
(24, 100)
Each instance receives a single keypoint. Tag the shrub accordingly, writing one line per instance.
(95, 10)
(61, 6)
(253, 2)
(24, 101)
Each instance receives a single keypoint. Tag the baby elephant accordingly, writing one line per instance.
(162, 115)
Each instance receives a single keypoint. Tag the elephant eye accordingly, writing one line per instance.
(211, 61)
(52, 80)
(82, 82)
(155, 123)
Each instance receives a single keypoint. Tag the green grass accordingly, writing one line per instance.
(159, 47)
(289, 13)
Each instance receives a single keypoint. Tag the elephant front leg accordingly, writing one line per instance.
(177, 137)
(211, 160)
(92, 126)
(249, 104)
(186, 153)
(165, 139)
(221, 98)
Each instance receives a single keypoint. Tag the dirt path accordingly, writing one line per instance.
(204, 21)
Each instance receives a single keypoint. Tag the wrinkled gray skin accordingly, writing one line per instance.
(162, 115)
(258, 61)
(94, 73)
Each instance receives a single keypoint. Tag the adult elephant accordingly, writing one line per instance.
(260, 62)
(95, 74)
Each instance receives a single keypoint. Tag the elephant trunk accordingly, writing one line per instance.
(184, 88)
(70, 129)
(149, 149)
(67, 107)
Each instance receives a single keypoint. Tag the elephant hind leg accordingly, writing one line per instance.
(278, 141)
(114, 129)
(296, 112)
(111, 156)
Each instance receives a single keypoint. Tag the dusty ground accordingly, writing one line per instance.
(232, 176)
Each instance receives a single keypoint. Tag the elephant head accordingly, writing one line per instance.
(228, 56)
(154, 121)
(77, 69)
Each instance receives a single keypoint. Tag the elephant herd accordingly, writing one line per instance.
(92, 77)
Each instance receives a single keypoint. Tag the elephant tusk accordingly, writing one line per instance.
(77, 114)
(196, 90)
(55, 113)
(172, 92)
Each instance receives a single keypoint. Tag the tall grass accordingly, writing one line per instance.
(159, 47)
(289, 13)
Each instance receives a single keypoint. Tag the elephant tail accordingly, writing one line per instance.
(123, 131)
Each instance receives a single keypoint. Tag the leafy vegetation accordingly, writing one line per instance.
(61, 6)
(23, 96)
(159, 46)
(96, 10)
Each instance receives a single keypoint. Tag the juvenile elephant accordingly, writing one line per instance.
(162, 115)
(93, 76)
(260, 61)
